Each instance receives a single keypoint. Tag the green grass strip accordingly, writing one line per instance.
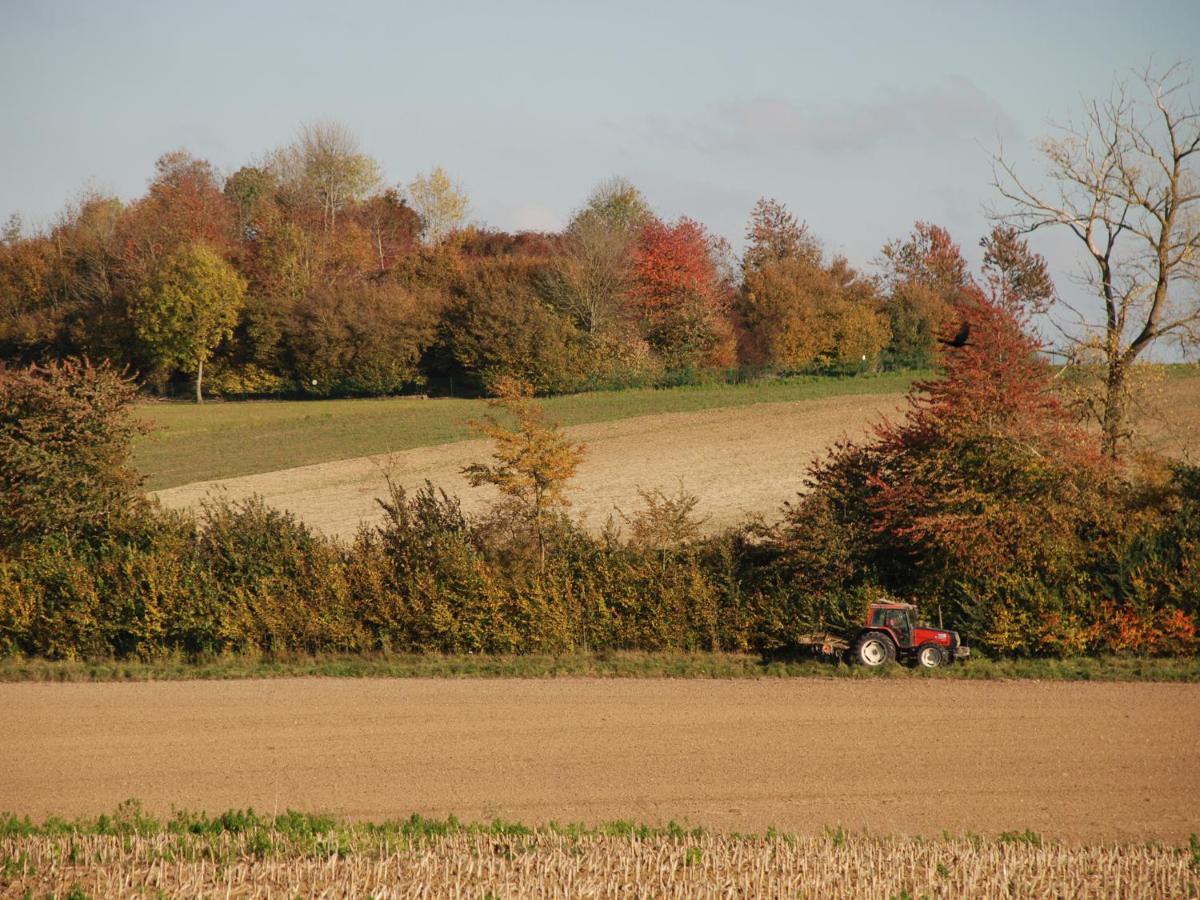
(595, 665)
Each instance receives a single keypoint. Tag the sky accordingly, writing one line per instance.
(862, 117)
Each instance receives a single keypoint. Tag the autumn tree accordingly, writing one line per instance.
(678, 296)
(532, 461)
(1126, 185)
(360, 339)
(985, 496)
(619, 204)
(252, 190)
(186, 308)
(923, 274)
(774, 234)
(441, 203)
(591, 277)
(185, 204)
(1016, 277)
(325, 168)
(798, 312)
(499, 327)
(28, 320)
(60, 288)
(392, 224)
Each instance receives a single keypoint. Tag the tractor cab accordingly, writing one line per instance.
(898, 619)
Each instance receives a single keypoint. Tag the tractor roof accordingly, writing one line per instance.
(894, 605)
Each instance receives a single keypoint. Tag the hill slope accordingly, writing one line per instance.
(739, 461)
(222, 440)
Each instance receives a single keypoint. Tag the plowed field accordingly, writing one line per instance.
(1071, 760)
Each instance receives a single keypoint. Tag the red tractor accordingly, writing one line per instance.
(892, 633)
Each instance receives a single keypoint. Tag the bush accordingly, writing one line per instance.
(65, 435)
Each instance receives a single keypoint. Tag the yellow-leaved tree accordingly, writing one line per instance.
(532, 461)
(440, 202)
(186, 308)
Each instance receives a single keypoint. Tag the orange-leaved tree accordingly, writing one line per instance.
(922, 275)
(533, 461)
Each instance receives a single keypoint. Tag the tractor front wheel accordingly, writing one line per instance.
(930, 656)
(874, 649)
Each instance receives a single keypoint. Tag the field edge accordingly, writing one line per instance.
(631, 665)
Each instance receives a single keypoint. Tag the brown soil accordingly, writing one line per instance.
(738, 461)
(1070, 760)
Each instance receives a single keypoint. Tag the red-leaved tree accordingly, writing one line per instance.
(679, 296)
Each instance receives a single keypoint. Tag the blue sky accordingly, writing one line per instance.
(862, 117)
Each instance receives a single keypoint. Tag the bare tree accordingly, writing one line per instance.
(589, 279)
(326, 167)
(1126, 184)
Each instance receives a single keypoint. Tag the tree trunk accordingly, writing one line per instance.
(1114, 409)
(199, 382)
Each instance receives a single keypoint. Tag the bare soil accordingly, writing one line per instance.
(739, 462)
(1075, 761)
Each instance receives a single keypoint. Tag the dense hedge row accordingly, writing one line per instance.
(245, 577)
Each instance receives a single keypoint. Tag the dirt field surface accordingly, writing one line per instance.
(1069, 760)
(738, 461)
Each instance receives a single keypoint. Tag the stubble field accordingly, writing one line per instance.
(739, 462)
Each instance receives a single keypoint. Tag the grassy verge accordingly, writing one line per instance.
(601, 665)
(222, 440)
(240, 852)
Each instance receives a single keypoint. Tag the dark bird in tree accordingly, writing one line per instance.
(960, 339)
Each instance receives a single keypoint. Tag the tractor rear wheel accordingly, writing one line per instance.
(930, 656)
(874, 648)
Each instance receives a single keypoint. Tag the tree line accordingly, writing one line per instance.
(306, 275)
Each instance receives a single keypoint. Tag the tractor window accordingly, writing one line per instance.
(895, 619)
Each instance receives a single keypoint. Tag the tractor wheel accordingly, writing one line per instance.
(874, 649)
(930, 656)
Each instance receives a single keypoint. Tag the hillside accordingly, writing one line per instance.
(189, 443)
(740, 461)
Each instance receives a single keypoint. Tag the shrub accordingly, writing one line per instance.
(65, 435)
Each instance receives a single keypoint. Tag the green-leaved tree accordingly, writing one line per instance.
(186, 308)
